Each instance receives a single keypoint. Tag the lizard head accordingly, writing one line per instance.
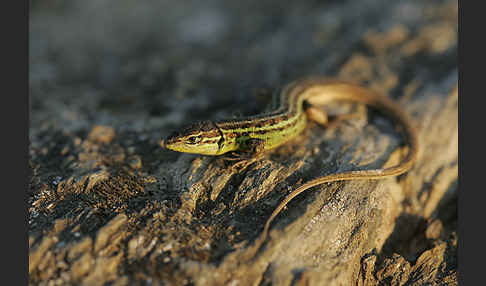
(198, 138)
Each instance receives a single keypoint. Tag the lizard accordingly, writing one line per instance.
(298, 100)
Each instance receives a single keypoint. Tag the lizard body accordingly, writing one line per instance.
(269, 130)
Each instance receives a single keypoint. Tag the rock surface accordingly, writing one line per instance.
(108, 206)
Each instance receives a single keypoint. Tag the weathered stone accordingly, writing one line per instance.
(110, 79)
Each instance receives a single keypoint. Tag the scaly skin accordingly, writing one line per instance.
(270, 130)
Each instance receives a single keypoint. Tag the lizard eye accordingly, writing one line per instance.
(194, 139)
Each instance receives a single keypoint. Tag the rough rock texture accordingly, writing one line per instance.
(108, 206)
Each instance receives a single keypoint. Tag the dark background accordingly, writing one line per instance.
(144, 69)
(147, 65)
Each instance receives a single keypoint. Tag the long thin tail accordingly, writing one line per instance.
(319, 92)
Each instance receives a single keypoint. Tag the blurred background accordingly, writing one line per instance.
(109, 78)
(154, 63)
